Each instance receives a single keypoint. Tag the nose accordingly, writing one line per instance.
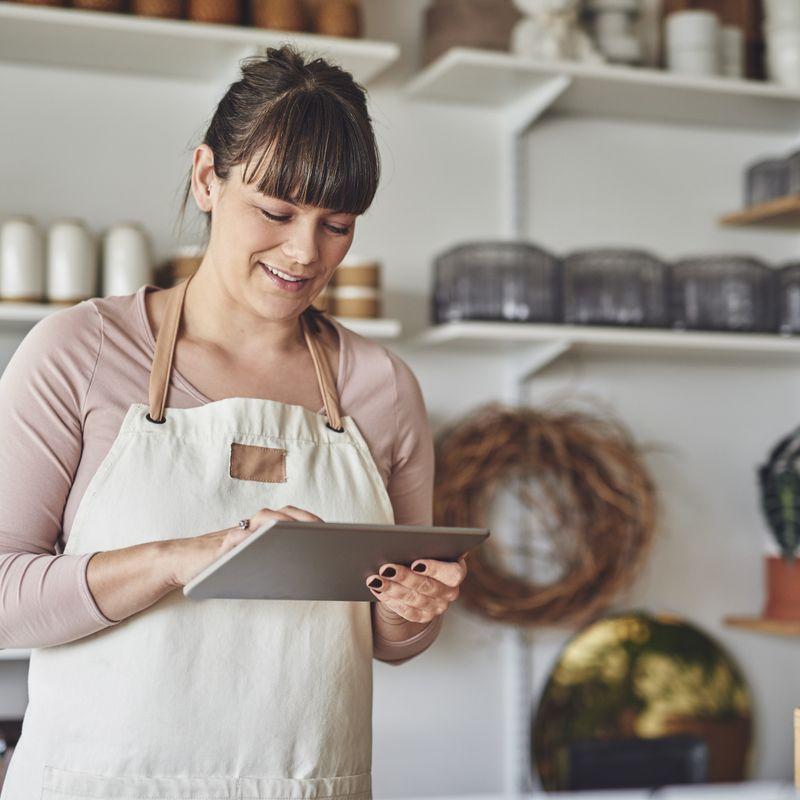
(301, 244)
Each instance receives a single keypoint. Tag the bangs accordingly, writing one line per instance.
(308, 148)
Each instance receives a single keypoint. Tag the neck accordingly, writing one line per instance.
(213, 315)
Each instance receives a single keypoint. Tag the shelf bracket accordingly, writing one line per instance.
(535, 360)
(516, 119)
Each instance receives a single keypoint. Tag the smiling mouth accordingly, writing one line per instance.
(285, 275)
(283, 279)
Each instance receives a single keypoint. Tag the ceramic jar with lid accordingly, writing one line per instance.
(693, 42)
(127, 260)
(355, 288)
(71, 262)
(22, 263)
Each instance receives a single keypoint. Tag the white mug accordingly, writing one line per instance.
(22, 265)
(71, 262)
(127, 263)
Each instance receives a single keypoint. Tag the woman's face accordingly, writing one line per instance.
(253, 236)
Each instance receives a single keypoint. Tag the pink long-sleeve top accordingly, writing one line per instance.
(63, 397)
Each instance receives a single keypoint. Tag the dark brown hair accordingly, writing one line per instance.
(302, 131)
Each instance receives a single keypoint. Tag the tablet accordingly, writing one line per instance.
(291, 560)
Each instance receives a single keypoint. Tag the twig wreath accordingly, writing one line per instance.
(590, 486)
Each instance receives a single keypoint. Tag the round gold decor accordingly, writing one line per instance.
(636, 676)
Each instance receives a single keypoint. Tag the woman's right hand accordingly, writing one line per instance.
(192, 555)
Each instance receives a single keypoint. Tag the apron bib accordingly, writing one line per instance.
(256, 699)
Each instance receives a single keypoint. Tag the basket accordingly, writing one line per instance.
(766, 180)
(615, 287)
(468, 23)
(723, 293)
(788, 279)
(512, 281)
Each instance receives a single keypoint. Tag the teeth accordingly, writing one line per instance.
(282, 274)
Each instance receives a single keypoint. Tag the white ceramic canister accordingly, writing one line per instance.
(783, 57)
(22, 264)
(71, 262)
(127, 260)
(732, 51)
(781, 14)
(690, 30)
(694, 62)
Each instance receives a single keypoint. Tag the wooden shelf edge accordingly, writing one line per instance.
(783, 211)
(775, 627)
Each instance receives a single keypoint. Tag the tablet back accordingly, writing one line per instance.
(324, 560)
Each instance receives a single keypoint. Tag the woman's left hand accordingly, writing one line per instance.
(422, 592)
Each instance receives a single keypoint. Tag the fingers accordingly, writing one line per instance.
(411, 613)
(451, 573)
(287, 513)
(421, 584)
(300, 514)
(425, 595)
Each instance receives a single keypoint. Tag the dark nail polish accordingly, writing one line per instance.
(376, 583)
(419, 568)
(389, 572)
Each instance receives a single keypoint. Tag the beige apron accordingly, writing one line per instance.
(215, 698)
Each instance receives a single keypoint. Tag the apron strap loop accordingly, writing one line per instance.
(325, 379)
(165, 349)
(161, 367)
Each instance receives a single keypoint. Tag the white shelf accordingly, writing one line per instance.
(373, 328)
(500, 81)
(555, 340)
(164, 47)
(25, 312)
(14, 655)
(30, 313)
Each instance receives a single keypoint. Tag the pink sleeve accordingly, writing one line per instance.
(410, 490)
(44, 596)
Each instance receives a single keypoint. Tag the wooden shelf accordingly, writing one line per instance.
(783, 212)
(14, 655)
(500, 81)
(775, 627)
(182, 49)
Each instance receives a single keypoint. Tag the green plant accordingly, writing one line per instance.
(780, 493)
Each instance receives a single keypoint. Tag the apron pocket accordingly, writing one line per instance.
(64, 784)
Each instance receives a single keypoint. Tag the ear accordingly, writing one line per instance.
(204, 183)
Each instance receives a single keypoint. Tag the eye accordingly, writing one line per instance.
(339, 231)
(273, 217)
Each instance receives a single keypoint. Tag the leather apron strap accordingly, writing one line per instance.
(161, 367)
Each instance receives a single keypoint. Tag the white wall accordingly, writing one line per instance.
(84, 144)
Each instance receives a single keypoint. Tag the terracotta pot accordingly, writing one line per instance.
(117, 6)
(783, 589)
(282, 15)
(227, 12)
(338, 18)
(167, 9)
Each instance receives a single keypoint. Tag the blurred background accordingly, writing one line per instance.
(586, 246)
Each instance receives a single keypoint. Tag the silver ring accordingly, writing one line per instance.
(244, 524)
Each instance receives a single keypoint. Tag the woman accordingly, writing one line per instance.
(134, 425)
